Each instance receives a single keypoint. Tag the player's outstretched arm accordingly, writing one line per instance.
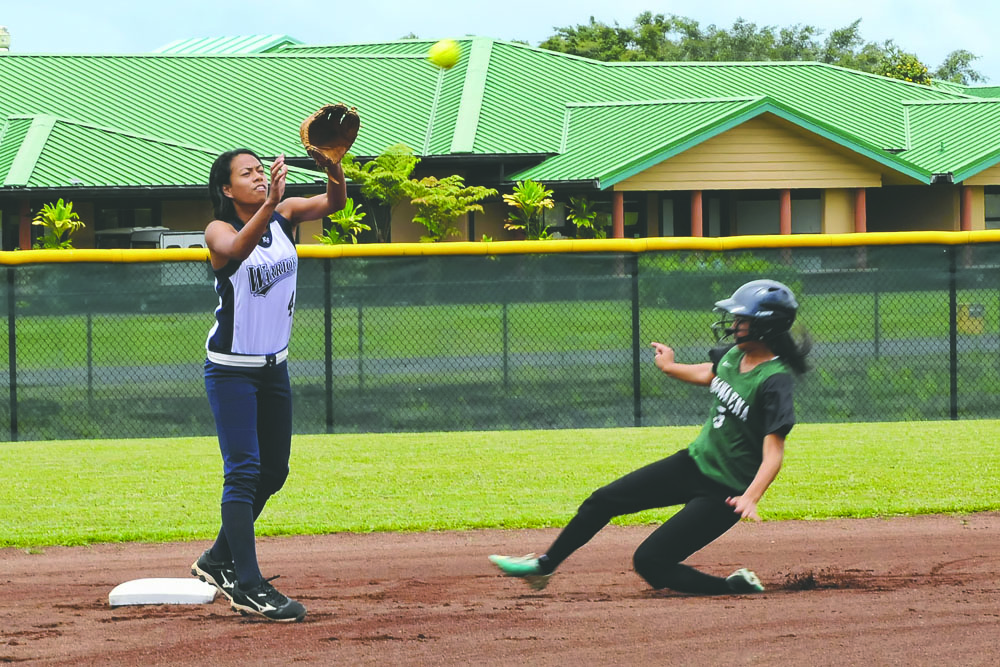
(699, 374)
(300, 209)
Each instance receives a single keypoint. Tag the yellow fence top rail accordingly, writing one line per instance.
(13, 258)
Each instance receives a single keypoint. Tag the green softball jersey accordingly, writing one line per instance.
(747, 407)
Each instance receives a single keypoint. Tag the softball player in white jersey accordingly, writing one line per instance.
(253, 257)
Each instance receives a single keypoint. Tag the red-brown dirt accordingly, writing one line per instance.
(901, 591)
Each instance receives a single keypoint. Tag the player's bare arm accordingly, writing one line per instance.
(697, 374)
(774, 453)
(301, 209)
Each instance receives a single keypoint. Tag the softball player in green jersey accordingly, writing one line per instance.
(723, 474)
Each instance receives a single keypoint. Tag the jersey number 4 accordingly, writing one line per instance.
(291, 305)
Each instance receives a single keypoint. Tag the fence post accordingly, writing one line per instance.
(878, 319)
(12, 350)
(506, 349)
(636, 380)
(328, 345)
(953, 328)
(361, 344)
(90, 357)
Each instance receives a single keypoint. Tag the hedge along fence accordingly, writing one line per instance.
(503, 335)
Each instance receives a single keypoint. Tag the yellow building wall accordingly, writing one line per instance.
(490, 222)
(838, 211)
(761, 154)
(978, 206)
(989, 176)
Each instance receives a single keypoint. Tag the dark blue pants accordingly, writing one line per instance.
(253, 417)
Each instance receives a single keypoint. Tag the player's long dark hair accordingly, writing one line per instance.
(793, 352)
(220, 176)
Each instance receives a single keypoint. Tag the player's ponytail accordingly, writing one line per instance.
(220, 176)
(792, 352)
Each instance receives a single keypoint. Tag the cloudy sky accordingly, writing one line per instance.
(929, 28)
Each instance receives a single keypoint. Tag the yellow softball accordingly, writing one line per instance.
(445, 53)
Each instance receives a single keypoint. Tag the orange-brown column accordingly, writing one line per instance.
(860, 212)
(697, 220)
(617, 215)
(966, 214)
(785, 214)
(24, 226)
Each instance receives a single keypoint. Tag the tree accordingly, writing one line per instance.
(57, 219)
(957, 68)
(345, 225)
(384, 178)
(440, 203)
(529, 201)
(672, 38)
(897, 64)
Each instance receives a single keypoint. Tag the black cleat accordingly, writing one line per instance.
(265, 600)
(219, 573)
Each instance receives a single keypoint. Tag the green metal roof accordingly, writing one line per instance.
(645, 127)
(501, 98)
(988, 92)
(12, 135)
(255, 101)
(864, 105)
(229, 45)
(973, 91)
(657, 130)
(49, 152)
(961, 137)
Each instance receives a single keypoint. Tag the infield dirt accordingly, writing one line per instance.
(901, 591)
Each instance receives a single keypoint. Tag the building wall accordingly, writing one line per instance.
(490, 222)
(762, 153)
(989, 176)
(838, 211)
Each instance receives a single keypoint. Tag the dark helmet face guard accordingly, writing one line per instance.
(769, 306)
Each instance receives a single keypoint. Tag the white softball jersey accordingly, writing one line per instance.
(257, 297)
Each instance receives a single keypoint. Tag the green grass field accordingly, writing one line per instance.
(80, 492)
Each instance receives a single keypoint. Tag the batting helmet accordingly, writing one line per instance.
(769, 305)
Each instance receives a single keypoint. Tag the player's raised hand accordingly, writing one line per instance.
(279, 171)
(663, 355)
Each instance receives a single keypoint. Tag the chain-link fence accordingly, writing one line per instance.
(478, 342)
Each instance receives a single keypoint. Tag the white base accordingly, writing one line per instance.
(162, 591)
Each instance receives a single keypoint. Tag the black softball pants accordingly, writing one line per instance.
(674, 480)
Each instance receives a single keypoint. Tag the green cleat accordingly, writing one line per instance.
(743, 582)
(523, 567)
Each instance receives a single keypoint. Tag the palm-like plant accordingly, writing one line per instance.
(440, 202)
(529, 199)
(57, 219)
(345, 225)
(583, 215)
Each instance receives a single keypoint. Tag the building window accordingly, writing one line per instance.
(114, 220)
(992, 197)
